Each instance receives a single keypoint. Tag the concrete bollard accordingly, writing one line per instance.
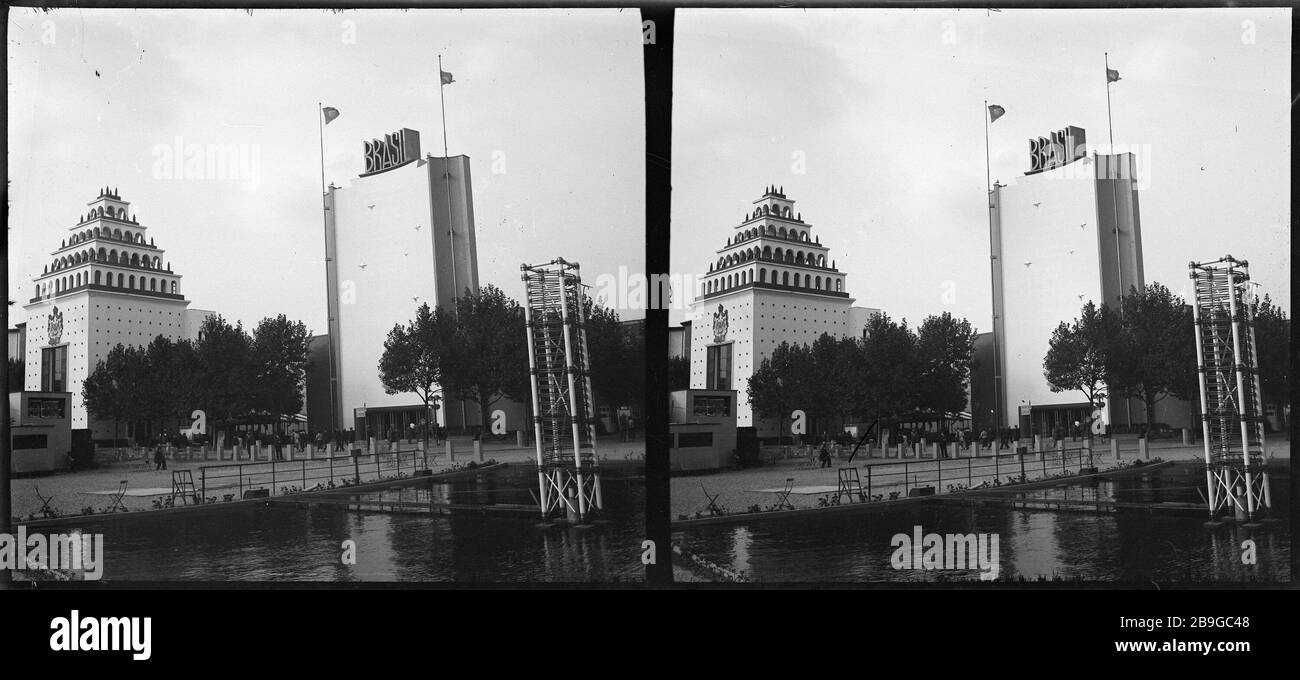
(1114, 448)
(478, 450)
(1187, 437)
(451, 451)
(519, 439)
(1143, 451)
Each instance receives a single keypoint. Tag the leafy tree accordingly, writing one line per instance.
(1153, 348)
(1272, 345)
(634, 373)
(827, 364)
(1076, 355)
(224, 355)
(679, 373)
(278, 356)
(778, 383)
(890, 355)
(167, 385)
(413, 359)
(488, 345)
(617, 369)
(945, 347)
(17, 374)
(107, 392)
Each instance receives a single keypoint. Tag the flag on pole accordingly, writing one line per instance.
(446, 78)
(330, 114)
(1112, 75)
(995, 112)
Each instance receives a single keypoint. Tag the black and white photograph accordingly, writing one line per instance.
(325, 295)
(982, 296)
(958, 305)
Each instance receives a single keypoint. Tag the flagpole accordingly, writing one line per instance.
(988, 205)
(446, 168)
(329, 317)
(451, 232)
(1112, 169)
(1110, 129)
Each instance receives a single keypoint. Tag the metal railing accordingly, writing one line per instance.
(947, 475)
(282, 477)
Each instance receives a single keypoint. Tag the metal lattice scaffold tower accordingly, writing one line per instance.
(1236, 476)
(564, 422)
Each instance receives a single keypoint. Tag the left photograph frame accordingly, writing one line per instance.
(326, 296)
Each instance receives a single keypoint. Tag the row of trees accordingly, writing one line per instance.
(892, 371)
(229, 374)
(479, 352)
(1145, 349)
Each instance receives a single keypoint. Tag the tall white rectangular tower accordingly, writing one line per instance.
(400, 235)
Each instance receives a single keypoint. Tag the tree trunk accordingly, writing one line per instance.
(483, 406)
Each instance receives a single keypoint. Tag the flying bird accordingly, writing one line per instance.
(97, 76)
(1072, 251)
(417, 227)
(415, 299)
(1027, 263)
(362, 266)
(371, 206)
(1038, 204)
(1083, 226)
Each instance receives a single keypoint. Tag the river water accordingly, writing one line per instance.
(1032, 544)
(289, 544)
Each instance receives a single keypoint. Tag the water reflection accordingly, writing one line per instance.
(286, 544)
(1129, 547)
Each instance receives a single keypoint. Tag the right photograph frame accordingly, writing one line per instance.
(980, 296)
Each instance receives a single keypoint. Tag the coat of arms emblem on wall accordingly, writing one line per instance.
(56, 326)
(720, 324)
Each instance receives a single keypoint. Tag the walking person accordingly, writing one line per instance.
(159, 458)
(824, 456)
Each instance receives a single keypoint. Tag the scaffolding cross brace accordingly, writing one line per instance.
(564, 423)
(1232, 424)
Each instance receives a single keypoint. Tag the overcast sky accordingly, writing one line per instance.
(547, 104)
(885, 111)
